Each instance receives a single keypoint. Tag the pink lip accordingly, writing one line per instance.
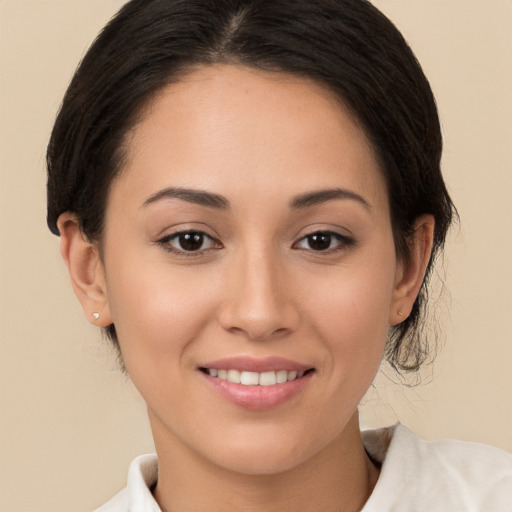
(257, 398)
(250, 364)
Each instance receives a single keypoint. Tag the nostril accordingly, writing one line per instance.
(258, 331)
(258, 307)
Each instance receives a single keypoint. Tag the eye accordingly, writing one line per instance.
(189, 242)
(324, 241)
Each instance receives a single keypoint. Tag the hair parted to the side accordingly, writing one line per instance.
(346, 45)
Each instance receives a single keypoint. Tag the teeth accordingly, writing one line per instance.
(255, 378)
(281, 376)
(250, 378)
(268, 378)
(234, 376)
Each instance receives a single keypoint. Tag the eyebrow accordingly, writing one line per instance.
(199, 197)
(322, 196)
(219, 202)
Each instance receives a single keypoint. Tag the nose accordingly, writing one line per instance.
(260, 302)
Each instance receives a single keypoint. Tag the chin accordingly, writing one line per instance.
(267, 452)
(261, 461)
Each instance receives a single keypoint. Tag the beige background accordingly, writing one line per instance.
(70, 423)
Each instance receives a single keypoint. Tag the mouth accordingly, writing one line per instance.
(257, 384)
(250, 378)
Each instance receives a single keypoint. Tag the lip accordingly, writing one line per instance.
(250, 364)
(257, 398)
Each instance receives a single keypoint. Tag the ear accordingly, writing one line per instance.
(86, 270)
(410, 273)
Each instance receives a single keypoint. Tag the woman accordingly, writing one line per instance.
(250, 202)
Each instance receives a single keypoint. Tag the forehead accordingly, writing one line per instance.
(223, 128)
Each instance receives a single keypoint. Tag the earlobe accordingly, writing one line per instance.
(85, 269)
(410, 273)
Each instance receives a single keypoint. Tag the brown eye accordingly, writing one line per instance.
(192, 241)
(323, 241)
(319, 241)
(189, 242)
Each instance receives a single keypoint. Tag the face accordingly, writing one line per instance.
(249, 267)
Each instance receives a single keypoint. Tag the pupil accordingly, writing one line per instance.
(191, 241)
(320, 241)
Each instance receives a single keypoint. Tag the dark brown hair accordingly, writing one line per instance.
(346, 45)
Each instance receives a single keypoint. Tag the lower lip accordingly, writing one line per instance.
(258, 398)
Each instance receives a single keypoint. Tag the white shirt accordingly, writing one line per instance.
(416, 476)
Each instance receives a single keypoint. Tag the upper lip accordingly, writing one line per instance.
(260, 365)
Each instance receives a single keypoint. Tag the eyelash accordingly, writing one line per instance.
(343, 242)
(166, 243)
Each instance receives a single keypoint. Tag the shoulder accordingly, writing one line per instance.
(438, 475)
(136, 496)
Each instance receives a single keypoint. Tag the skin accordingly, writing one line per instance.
(256, 289)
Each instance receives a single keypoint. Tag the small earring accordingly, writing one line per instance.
(96, 316)
(399, 313)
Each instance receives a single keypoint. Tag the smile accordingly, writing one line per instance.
(248, 378)
(257, 384)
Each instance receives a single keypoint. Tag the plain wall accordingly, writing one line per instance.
(70, 422)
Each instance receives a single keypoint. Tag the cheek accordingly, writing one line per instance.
(158, 311)
(352, 317)
(159, 315)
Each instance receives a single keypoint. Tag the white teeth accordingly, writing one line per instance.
(250, 378)
(268, 378)
(255, 378)
(281, 376)
(234, 376)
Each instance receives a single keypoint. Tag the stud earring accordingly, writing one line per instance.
(96, 316)
(400, 313)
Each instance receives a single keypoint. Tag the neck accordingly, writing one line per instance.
(338, 478)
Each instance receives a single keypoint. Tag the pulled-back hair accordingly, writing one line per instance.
(347, 46)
